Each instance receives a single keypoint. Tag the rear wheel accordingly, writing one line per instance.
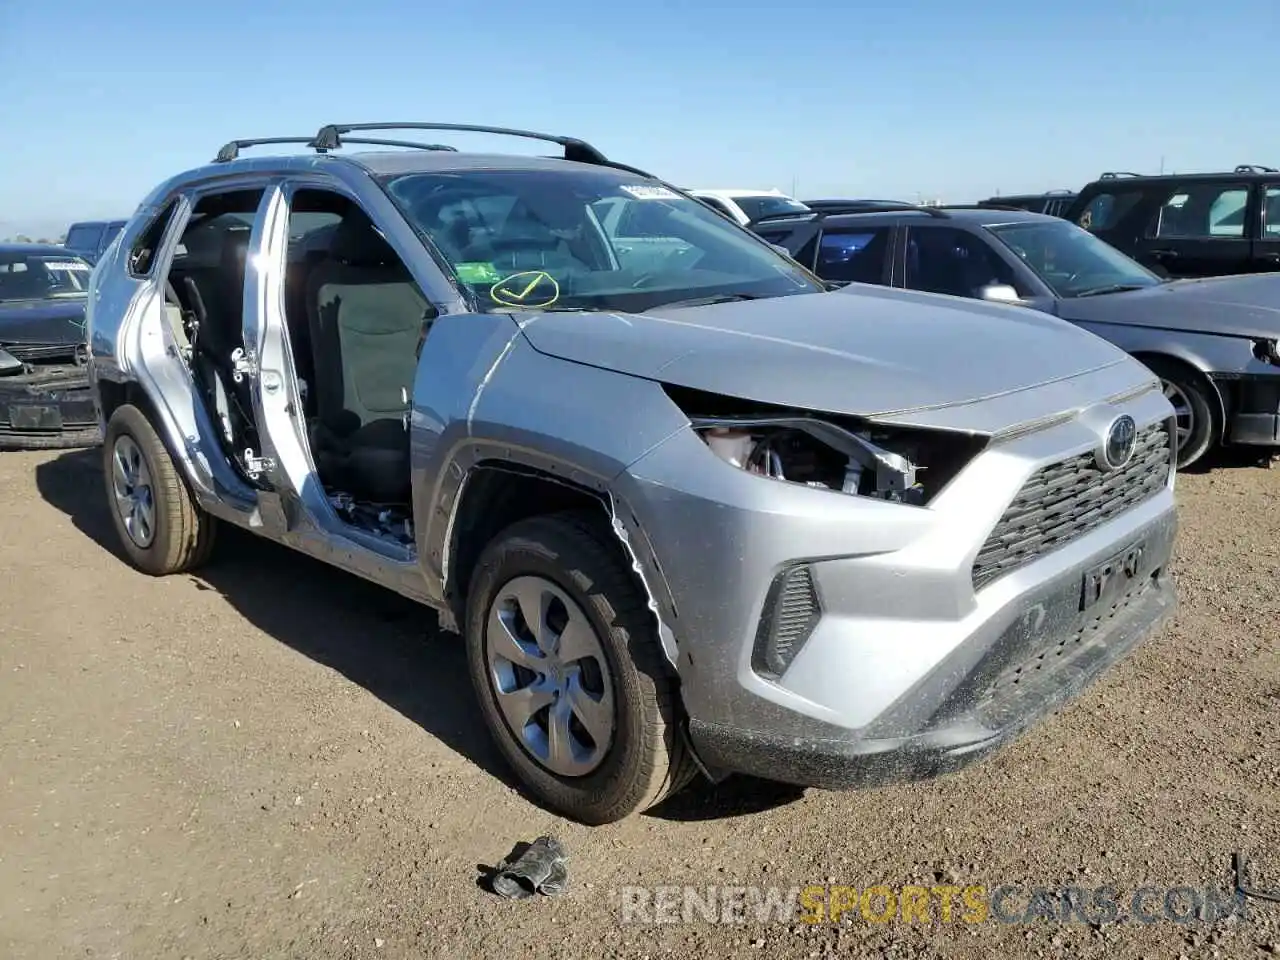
(159, 525)
(569, 673)
(1188, 391)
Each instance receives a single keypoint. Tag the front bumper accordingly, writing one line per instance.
(50, 408)
(1254, 413)
(1008, 679)
(909, 669)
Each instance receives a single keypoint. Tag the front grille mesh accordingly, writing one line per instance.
(1066, 500)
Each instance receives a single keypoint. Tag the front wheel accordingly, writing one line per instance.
(159, 525)
(1197, 427)
(569, 673)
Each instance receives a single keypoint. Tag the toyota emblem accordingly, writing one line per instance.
(1117, 449)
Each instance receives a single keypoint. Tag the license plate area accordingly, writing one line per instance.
(34, 416)
(1106, 582)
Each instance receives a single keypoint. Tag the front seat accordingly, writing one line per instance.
(366, 316)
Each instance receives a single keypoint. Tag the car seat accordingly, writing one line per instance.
(367, 317)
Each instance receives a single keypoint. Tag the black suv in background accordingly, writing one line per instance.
(1055, 203)
(1188, 224)
(90, 238)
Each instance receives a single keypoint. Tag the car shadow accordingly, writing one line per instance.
(389, 645)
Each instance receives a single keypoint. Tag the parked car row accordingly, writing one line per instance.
(691, 509)
(1212, 342)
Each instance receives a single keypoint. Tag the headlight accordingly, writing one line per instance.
(898, 464)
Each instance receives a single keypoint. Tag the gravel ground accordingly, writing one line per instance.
(274, 760)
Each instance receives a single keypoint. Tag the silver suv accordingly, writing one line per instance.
(688, 509)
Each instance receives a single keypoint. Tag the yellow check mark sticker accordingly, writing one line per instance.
(528, 290)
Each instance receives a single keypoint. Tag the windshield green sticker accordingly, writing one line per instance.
(477, 271)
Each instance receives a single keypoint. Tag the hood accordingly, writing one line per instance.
(862, 351)
(44, 322)
(1238, 306)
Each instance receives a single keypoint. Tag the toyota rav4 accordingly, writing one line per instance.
(688, 509)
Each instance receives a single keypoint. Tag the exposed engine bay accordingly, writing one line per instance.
(899, 465)
(816, 454)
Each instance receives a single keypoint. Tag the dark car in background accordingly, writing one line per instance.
(44, 387)
(1188, 224)
(1056, 203)
(1212, 342)
(90, 238)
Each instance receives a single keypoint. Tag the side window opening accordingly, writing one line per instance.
(1202, 211)
(142, 256)
(356, 322)
(204, 301)
(1271, 212)
(1106, 208)
(954, 262)
(83, 236)
(854, 256)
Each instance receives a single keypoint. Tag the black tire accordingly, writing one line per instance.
(1206, 428)
(183, 534)
(648, 759)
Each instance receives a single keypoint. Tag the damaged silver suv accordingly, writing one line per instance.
(688, 509)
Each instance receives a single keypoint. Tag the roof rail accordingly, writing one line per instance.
(230, 151)
(1254, 168)
(832, 203)
(1117, 174)
(834, 208)
(330, 136)
(852, 207)
(333, 136)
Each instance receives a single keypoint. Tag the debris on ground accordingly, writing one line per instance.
(543, 867)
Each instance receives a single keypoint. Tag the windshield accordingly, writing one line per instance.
(588, 240)
(1072, 261)
(767, 206)
(42, 276)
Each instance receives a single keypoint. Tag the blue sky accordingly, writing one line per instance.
(877, 98)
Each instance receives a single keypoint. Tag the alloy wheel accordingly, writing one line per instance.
(1184, 412)
(134, 496)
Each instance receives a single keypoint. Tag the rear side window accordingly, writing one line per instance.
(1271, 212)
(854, 256)
(1106, 208)
(143, 255)
(718, 206)
(1202, 211)
(757, 207)
(84, 236)
(110, 233)
(954, 262)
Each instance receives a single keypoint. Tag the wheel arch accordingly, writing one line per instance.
(1184, 360)
(497, 492)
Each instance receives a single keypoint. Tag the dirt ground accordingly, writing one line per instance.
(275, 760)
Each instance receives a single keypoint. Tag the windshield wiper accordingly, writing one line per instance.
(703, 301)
(1111, 288)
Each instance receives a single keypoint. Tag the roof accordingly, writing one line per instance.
(40, 249)
(1245, 173)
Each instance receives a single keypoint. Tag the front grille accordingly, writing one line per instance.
(791, 611)
(1066, 500)
(38, 352)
